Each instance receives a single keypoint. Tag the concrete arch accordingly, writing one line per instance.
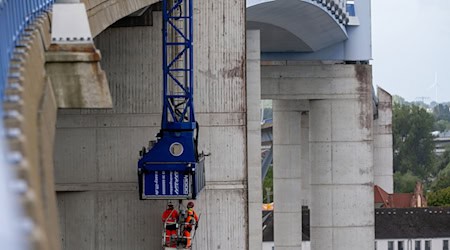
(103, 13)
(308, 21)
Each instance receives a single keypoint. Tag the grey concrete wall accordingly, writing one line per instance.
(254, 139)
(288, 80)
(97, 150)
(383, 143)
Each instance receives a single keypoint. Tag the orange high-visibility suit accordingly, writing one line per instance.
(170, 218)
(191, 220)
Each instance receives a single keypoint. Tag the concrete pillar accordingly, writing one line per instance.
(305, 164)
(341, 152)
(254, 140)
(287, 173)
(382, 151)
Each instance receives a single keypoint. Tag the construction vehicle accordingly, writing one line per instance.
(172, 167)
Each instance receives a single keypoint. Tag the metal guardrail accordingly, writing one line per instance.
(15, 16)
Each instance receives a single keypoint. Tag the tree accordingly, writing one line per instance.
(441, 125)
(442, 180)
(441, 112)
(404, 183)
(439, 198)
(413, 142)
(398, 100)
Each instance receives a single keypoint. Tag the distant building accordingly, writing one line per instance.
(395, 229)
(400, 200)
(412, 229)
(441, 142)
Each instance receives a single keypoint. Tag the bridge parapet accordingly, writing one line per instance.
(27, 109)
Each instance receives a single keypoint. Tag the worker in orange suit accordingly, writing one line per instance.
(191, 221)
(170, 218)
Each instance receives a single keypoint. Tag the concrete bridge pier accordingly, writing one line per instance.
(305, 163)
(382, 140)
(341, 177)
(340, 152)
(254, 140)
(287, 146)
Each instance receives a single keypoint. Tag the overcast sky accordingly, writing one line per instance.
(411, 43)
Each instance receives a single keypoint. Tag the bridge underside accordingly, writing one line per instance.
(295, 26)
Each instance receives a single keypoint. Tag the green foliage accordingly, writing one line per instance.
(441, 112)
(443, 160)
(441, 125)
(405, 183)
(413, 142)
(268, 184)
(439, 198)
(398, 100)
(443, 179)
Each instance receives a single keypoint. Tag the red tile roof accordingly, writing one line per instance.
(401, 200)
(396, 200)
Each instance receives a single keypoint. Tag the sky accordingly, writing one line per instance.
(411, 45)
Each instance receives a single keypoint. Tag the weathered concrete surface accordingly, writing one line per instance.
(340, 151)
(254, 140)
(341, 154)
(30, 110)
(102, 154)
(383, 141)
(79, 81)
(291, 80)
(287, 173)
(305, 163)
(77, 77)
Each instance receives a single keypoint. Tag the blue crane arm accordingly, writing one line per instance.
(172, 167)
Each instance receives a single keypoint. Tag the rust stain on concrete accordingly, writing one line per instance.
(364, 77)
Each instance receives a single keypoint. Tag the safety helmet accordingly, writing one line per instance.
(190, 204)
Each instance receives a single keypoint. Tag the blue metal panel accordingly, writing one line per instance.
(351, 8)
(166, 184)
